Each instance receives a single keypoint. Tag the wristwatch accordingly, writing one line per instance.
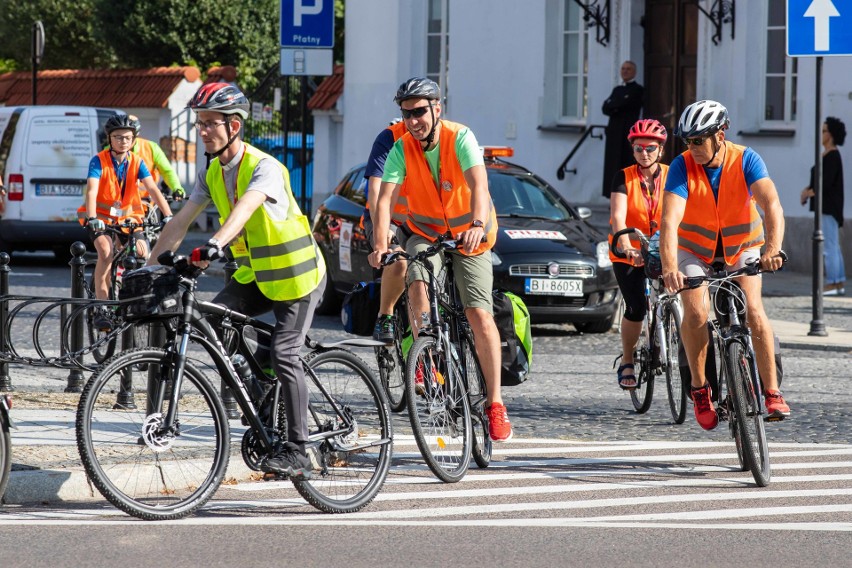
(476, 223)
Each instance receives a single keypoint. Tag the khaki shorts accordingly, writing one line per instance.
(691, 265)
(474, 274)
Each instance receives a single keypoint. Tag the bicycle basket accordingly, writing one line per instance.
(653, 265)
(151, 291)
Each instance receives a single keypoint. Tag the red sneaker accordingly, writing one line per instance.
(499, 427)
(776, 407)
(705, 412)
(418, 379)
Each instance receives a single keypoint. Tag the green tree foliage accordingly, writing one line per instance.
(110, 34)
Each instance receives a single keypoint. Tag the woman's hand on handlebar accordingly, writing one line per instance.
(375, 258)
(634, 256)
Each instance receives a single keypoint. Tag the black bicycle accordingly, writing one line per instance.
(444, 385)
(659, 350)
(740, 392)
(125, 257)
(168, 458)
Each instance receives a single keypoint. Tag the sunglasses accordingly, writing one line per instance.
(648, 149)
(415, 112)
(695, 141)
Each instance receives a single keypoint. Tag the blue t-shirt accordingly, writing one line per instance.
(376, 163)
(754, 169)
(120, 169)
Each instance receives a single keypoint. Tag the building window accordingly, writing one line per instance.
(437, 45)
(573, 64)
(781, 71)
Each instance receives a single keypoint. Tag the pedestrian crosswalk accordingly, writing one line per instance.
(553, 482)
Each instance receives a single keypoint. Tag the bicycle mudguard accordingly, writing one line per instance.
(355, 342)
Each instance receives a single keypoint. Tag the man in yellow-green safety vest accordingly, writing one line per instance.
(280, 266)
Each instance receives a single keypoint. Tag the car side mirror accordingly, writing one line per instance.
(584, 212)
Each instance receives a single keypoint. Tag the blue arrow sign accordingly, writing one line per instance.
(817, 27)
(307, 23)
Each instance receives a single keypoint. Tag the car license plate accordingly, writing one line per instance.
(59, 189)
(553, 286)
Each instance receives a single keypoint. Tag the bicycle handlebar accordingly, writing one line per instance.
(750, 269)
(441, 244)
(613, 246)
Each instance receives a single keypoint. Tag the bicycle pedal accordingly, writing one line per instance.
(774, 418)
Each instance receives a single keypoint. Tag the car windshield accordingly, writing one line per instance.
(524, 196)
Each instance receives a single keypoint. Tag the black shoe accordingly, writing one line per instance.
(384, 330)
(101, 320)
(289, 462)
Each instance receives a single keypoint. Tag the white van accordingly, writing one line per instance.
(44, 160)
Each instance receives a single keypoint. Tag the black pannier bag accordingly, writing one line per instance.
(151, 291)
(361, 308)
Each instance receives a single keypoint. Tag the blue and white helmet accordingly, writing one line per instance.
(702, 117)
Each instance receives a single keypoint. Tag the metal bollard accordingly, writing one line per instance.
(124, 399)
(228, 400)
(78, 276)
(5, 379)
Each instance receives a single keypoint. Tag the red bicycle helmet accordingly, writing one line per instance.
(648, 128)
(220, 97)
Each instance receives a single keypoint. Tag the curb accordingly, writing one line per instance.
(72, 485)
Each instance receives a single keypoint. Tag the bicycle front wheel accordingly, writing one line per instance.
(675, 384)
(350, 433)
(438, 410)
(143, 470)
(746, 408)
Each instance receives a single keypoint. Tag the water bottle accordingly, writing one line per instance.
(119, 273)
(243, 369)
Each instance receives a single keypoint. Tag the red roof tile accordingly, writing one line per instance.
(328, 91)
(120, 88)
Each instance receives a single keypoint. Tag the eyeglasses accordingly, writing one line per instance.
(210, 125)
(415, 112)
(695, 141)
(125, 138)
(648, 149)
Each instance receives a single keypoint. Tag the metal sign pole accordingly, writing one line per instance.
(817, 323)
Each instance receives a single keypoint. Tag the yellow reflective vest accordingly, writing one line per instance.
(281, 256)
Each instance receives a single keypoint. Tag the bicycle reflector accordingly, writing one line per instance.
(498, 151)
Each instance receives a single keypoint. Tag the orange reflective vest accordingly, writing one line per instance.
(110, 205)
(451, 211)
(400, 210)
(734, 214)
(640, 209)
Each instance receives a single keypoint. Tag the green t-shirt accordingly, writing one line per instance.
(467, 150)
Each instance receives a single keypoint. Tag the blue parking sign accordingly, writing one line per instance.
(819, 27)
(307, 23)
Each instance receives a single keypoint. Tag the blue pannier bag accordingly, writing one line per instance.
(361, 308)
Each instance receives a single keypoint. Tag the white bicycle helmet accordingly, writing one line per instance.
(702, 117)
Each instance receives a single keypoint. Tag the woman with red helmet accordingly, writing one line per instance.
(636, 201)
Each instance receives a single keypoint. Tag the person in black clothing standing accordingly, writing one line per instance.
(623, 108)
(833, 135)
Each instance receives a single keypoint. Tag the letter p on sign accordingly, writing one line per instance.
(300, 9)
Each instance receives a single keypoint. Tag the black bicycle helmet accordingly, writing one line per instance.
(702, 117)
(418, 88)
(122, 122)
(220, 97)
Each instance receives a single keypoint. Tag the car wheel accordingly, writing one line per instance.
(600, 326)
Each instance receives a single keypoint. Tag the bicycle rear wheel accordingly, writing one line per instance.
(643, 394)
(439, 412)
(392, 370)
(675, 384)
(144, 472)
(482, 445)
(350, 467)
(746, 410)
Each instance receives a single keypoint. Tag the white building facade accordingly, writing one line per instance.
(533, 74)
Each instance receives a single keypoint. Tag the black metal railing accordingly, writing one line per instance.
(589, 133)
